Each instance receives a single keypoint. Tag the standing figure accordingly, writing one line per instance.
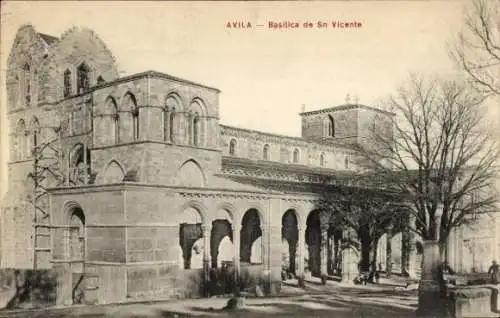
(494, 272)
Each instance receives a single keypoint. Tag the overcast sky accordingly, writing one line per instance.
(265, 75)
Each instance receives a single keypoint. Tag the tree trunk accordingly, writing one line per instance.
(365, 253)
(388, 255)
(375, 255)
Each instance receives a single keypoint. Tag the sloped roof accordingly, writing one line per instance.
(49, 39)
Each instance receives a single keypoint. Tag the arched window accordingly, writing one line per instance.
(232, 147)
(83, 78)
(265, 152)
(171, 125)
(196, 129)
(322, 159)
(135, 122)
(20, 140)
(32, 136)
(169, 118)
(27, 83)
(67, 83)
(296, 155)
(346, 162)
(331, 126)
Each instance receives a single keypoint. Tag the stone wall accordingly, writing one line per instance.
(250, 144)
(315, 124)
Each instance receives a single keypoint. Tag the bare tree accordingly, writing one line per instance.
(439, 155)
(368, 212)
(477, 49)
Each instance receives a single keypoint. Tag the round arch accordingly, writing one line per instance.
(260, 211)
(228, 208)
(196, 205)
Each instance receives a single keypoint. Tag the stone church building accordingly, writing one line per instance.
(129, 188)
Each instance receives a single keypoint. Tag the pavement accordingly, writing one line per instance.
(331, 300)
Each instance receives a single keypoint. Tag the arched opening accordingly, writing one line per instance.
(221, 246)
(190, 238)
(110, 123)
(77, 237)
(265, 152)
(83, 78)
(27, 83)
(289, 237)
(225, 252)
(331, 126)
(79, 165)
(67, 83)
(33, 136)
(295, 155)
(169, 118)
(250, 232)
(196, 122)
(21, 141)
(129, 121)
(232, 147)
(196, 130)
(313, 242)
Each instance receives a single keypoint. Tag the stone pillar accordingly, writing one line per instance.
(301, 252)
(236, 245)
(428, 291)
(388, 251)
(207, 228)
(430, 302)
(272, 258)
(324, 252)
(350, 256)
(412, 250)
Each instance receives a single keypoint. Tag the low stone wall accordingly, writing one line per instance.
(26, 288)
(473, 301)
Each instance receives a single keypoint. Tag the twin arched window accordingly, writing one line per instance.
(232, 147)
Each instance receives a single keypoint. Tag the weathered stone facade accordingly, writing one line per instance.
(130, 189)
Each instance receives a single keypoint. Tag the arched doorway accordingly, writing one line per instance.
(289, 236)
(190, 237)
(221, 240)
(76, 250)
(313, 243)
(249, 234)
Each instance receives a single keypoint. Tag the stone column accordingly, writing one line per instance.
(236, 245)
(412, 250)
(388, 251)
(429, 297)
(301, 252)
(349, 257)
(207, 228)
(324, 252)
